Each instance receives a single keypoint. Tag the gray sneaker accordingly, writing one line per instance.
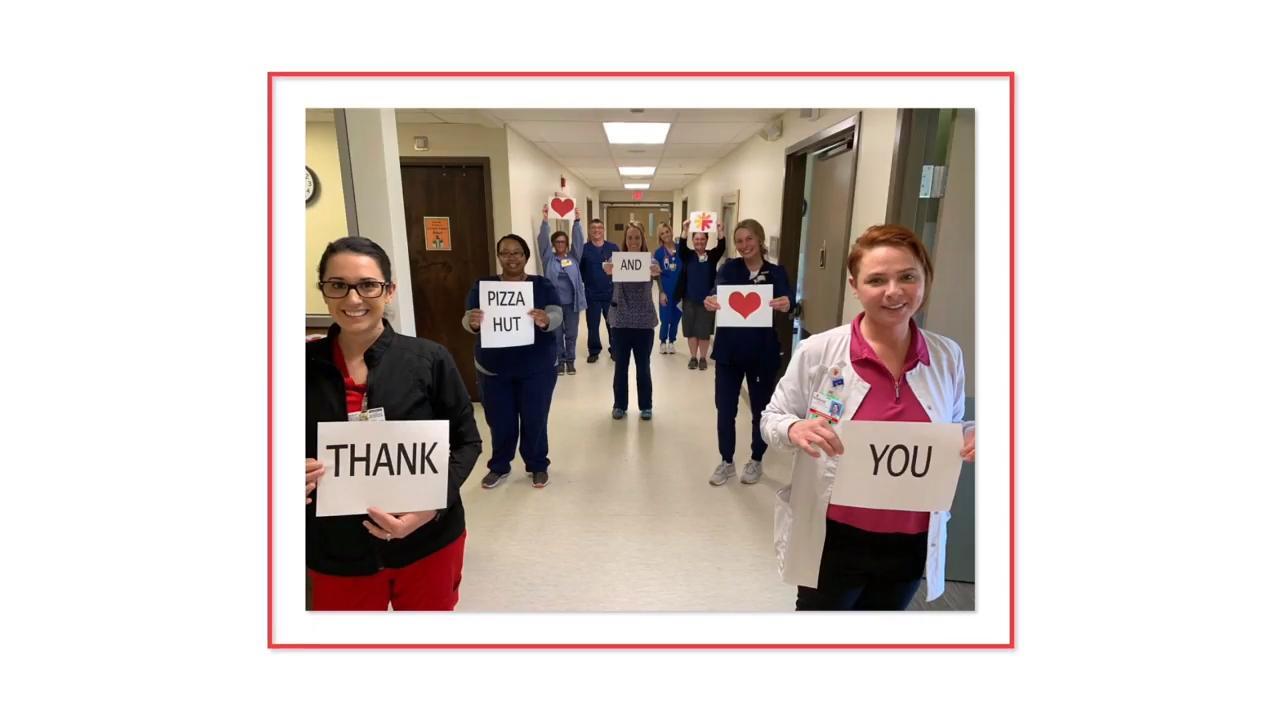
(752, 472)
(492, 479)
(723, 474)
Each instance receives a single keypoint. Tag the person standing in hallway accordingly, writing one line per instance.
(695, 282)
(363, 368)
(668, 258)
(516, 383)
(751, 354)
(851, 558)
(599, 287)
(561, 265)
(633, 318)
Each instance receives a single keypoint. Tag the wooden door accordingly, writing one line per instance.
(456, 189)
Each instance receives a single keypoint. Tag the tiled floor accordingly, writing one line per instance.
(628, 521)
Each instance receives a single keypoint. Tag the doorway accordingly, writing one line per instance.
(617, 215)
(452, 197)
(817, 212)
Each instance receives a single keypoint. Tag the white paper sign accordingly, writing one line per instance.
(561, 208)
(701, 221)
(631, 267)
(398, 466)
(744, 306)
(506, 307)
(899, 465)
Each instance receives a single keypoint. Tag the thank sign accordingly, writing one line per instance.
(506, 307)
(631, 267)
(400, 466)
(744, 306)
(899, 465)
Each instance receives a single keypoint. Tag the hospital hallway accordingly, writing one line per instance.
(629, 521)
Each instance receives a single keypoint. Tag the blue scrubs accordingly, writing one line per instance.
(750, 354)
(516, 385)
(599, 291)
(669, 314)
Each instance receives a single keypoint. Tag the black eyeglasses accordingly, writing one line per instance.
(337, 289)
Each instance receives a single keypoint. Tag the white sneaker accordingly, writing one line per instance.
(752, 473)
(723, 474)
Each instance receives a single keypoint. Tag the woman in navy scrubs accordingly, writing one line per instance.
(696, 281)
(516, 383)
(748, 353)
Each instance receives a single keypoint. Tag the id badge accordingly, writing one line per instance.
(371, 415)
(566, 262)
(827, 402)
(702, 258)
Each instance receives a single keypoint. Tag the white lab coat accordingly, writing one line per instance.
(800, 516)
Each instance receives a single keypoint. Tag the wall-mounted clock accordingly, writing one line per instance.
(313, 185)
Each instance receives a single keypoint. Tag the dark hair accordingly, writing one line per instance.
(523, 245)
(596, 221)
(559, 234)
(359, 246)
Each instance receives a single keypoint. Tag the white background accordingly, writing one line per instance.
(135, 225)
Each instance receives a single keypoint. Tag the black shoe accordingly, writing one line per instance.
(560, 369)
(702, 364)
(571, 370)
(594, 357)
(540, 479)
(492, 479)
(693, 363)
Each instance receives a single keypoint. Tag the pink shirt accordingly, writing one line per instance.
(889, 400)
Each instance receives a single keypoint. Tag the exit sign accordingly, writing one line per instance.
(637, 195)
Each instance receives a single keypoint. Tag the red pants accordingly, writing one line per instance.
(428, 584)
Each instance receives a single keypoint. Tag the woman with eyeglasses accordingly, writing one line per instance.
(632, 316)
(562, 264)
(364, 369)
(516, 383)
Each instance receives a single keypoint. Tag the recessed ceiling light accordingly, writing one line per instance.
(636, 186)
(639, 170)
(628, 133)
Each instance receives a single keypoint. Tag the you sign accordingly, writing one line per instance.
(899, 465)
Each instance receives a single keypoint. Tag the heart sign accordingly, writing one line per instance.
(561, 208)
(744, 305)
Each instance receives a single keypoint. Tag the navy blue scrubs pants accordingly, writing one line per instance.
(760, 384)
(516, 408)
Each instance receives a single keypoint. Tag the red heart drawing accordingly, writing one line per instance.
(562, 206)
(744, 303)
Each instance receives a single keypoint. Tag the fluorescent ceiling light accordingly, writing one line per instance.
(630, 133)
(636, 186)
(637, 169)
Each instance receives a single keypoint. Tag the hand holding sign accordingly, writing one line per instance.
(744, 306)
(315, 471)
(397, 526)
(562, 208)
(815, 435)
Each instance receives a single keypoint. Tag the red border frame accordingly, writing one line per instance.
(271, 76)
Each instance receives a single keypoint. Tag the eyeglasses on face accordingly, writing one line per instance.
(337, 289)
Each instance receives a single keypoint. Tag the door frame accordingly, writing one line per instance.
(406, 161)
(793, 205)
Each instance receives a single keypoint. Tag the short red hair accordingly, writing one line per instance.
(898, 236)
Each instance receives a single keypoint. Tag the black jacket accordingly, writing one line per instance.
(413, 379)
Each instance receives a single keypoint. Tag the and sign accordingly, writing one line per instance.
(399, 466)
(436, 232)
(744, 306)
(631, 267)
(899, 465)
(506, 307)
(561, 208)
(703, 222)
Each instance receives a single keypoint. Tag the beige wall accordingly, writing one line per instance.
(951, 302)
(757, 169)
(629, 196)
(327, 216)
(535, 177)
